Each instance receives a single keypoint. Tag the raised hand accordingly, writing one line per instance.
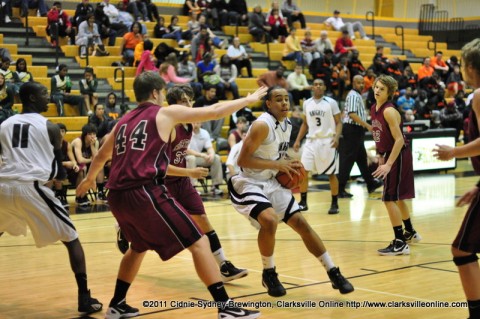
(257, 95)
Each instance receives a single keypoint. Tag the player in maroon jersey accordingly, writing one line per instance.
(149, 217)
(395, 165)
(467, 243)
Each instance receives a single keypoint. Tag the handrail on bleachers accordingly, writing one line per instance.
(122, 80)
(86, 53)
(372, 19)
(402, 34)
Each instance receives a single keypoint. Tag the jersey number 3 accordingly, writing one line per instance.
(137, 138)
(20, 135)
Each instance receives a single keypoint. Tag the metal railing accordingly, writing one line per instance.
(83, 57)
(399, 31)
(370, 17)
(120, 79)
(430, 47)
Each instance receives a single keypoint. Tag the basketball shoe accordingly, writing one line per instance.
(229, 272)
(333, 209)
(396, 247)
(339, 282)
(412, 237)
(87, 304)
(233, 313)
(303, 206)
(121, 310)
(271, 282)
(122, 242)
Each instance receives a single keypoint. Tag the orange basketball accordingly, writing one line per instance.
(293, 182)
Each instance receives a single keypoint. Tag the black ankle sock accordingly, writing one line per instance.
(218, 292)
(474, 308)
(120, 293)
(408, 225)
(81, 282)
(100, 187)
(303, 197)
(398, 232)
(335, 199)
(214, 241)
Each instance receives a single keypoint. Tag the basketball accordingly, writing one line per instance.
(291, 183)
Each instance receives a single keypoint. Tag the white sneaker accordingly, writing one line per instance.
(217, 191)
(366, 38)
(7, 19)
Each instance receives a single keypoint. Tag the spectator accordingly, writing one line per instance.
(231, 163)
(299, 87)
(322, 69)
(439, 65)
(193, 6)
(309, 48)
(204, 41)
(355, 66)
(451, 117)
(88, 36)
(119, 20)
(5, 70)
(193, 24)
(257, 26)
(162, 51)
(278, 27)
(213, 127)
(239, 57)
(59, 23)
(238, 12)
(337, 23)
(21, 75)
(5, 53)
(112, 111)
(408, 79)
(217, 10)
(293, 13)
(152, 10)
(275, 78)
(275, 6)
(88, 88)
(369, 78)
(383, 58)
(344, 46)
(99, 120)
(6, 6)
(340, 78)
(105, 28)
(146, 61)
(323, 43)
(235, 135)
(130, 40)
(455, 81)
(162, 32)
(187, 69)
(206, 73)
(292, 49)
(40, 5)
(425, 70)
(83, 9)
(227, 72)
(61, 86)
(406, 102)
(197, 157)
(168, 71)
(243, 112)
(7, 96)
(174, 27)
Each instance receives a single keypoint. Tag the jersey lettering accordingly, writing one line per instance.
(121, 140)
(20, 135)
(139, 136)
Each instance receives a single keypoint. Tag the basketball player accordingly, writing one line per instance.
(321, 119)
(256, 193)
(149, 217)
(31, 156)
(179, 185)
(395, 165)
(467, 244)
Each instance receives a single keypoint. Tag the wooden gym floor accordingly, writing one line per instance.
(38, 283)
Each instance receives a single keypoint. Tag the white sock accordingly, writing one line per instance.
(219, 256)
(268, 262)
(326, 261)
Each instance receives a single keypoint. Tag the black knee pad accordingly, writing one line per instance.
(460, 261)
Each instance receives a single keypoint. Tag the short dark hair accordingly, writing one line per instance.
(62, 126)
(147, 45)
(208, 87)
(145, 83)
(87, 129)
(176, 93)
(269, 95)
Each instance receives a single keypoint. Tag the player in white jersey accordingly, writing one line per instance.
(321, 118)
(30, 157)
(256, 193)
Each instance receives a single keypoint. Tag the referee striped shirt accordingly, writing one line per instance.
(354, 104)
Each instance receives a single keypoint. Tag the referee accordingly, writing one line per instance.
(352, 147)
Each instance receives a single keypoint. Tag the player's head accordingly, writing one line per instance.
(180, 94)
(471, 61)
(277, 102)
(34, 97)
(148, 85)
(318, 88)
(388, 82)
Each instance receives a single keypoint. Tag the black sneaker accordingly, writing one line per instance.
(87, 304)
(271, 282)
(339, 282)
(376, 184)
(232, 313)
(333, 209)
(102, 196)
(122, 242)
(229, 272)
(412, 237)
(396, 247)
(121, 310)
(303, 206)
(344, 194)
(82, 201)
